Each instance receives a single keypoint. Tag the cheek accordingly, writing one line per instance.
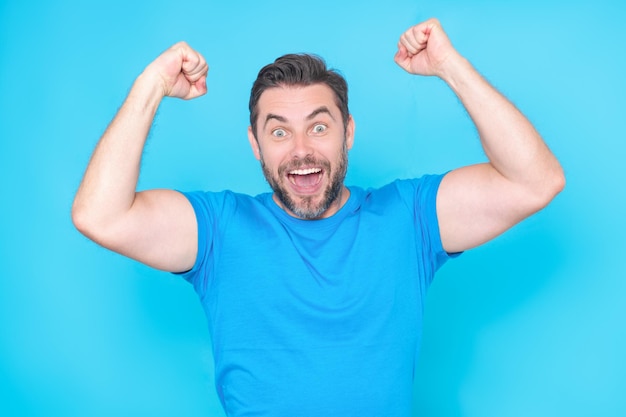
(271, 161)
(335, 154)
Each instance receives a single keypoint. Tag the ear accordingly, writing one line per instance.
(350, 132)
(254, 144)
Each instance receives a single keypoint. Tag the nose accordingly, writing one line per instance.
(302, 146)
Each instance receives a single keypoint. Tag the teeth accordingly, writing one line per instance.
(305, 171)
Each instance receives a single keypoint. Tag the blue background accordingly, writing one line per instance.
(531, 324)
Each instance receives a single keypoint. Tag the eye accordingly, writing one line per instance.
(279, 133)
(319, 128)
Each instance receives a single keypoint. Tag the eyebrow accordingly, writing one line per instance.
(314, 113)
(271, 116)
(322, 109)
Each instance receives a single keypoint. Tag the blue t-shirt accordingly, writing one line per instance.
(317, 317)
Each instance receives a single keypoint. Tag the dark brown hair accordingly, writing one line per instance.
(298, 70)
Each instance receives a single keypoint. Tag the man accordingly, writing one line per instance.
(314, 292)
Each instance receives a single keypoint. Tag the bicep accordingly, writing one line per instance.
(160, 230)
(476, 204)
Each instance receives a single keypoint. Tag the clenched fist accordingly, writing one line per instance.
(424, 49)
(181, 71)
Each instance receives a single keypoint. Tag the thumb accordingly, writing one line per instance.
(200, 87)
(401, 57)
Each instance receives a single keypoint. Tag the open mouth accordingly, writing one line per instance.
(305, 178)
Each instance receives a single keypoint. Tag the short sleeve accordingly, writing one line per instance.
(210, 211)
(421, 196)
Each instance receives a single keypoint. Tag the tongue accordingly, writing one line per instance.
(306, 180)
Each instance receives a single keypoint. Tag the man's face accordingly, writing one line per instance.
(302, 146)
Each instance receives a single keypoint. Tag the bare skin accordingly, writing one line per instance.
(156, 227)
(474, 203)
(301, 131)
(477, 203)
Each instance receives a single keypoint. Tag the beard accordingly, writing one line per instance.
(308, 208)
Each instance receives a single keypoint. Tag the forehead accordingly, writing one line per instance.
(296, 102)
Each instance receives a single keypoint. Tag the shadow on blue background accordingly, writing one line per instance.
(529, 324)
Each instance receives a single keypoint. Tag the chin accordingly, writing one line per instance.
(306, 210)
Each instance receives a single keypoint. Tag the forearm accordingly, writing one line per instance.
(478, 202)
(514, 148)
(107, 190)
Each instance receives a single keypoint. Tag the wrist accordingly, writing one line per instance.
(455, 70)
(147, 92)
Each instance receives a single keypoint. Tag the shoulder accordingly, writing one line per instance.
(406, 190)
(425, 184)
(221, 198)
(223, 204)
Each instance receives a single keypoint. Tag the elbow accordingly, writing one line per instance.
(559, 182)
(86, 221)
(80, 218)
(97, 225)
(555, 183)
(552, 184)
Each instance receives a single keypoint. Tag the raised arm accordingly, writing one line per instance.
(477, 203)
(156, 227)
